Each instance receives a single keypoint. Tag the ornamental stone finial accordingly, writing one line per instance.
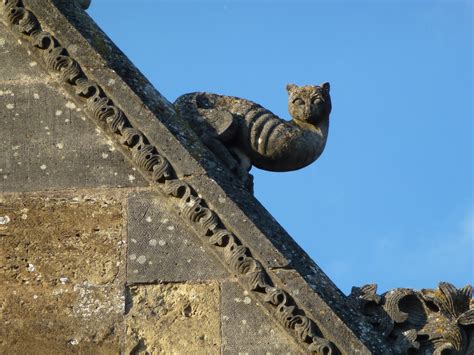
(431, 321)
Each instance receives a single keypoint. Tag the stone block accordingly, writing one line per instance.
(61, 284)
(173, 319)
(248, 328)
(60, 240)
(47, 142)
(161, 247)
(62, 319)
(17, 63)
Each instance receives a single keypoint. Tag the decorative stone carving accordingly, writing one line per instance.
(242, 133)
(427, 321)
(431, 321)
(240, 261)
(237, 257)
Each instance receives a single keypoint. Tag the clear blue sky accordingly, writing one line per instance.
(391, 199)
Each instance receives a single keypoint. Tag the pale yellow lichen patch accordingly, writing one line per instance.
(4, 219)
(70, 105)
(6, 92)
(189, 310)
(111, 145)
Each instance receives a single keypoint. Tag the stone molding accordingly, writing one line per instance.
(234, 254)
(439, 321)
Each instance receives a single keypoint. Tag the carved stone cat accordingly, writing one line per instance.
(242, 133)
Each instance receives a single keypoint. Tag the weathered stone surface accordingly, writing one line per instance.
(54, 240)
(242, 133)
(17, 64)
(150, 113)
(248, 328)
(307, 295)
(162, 248)
(61, 319)
(60, 277)
(429, 321)
(173, 318)
(50, 144)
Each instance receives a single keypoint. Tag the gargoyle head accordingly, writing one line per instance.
(311, 104)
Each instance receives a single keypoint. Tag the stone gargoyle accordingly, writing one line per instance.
(242, 133)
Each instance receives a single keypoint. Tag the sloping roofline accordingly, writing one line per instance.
(243, 235)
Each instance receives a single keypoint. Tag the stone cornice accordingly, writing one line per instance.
(145, 126)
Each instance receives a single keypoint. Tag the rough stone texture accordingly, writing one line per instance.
(60, 274)
(60, 320)
(162, 248)
(154, 116)
(50, 143)
(147, 109)
(247, 327)
(173, 319)
(49, 238)
(242, 133)
(429, 321)
(17, 64)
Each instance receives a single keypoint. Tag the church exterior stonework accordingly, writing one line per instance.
(121, 232)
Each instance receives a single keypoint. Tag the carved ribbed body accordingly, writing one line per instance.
(244, 127)
(278, 145)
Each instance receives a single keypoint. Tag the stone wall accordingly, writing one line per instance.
(113, 270)
(46, 141)
(62, 273)
(120, 232)
(91, 260)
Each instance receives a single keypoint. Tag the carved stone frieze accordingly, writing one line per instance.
(431, 321)
(236, 256)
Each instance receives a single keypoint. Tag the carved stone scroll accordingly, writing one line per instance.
(237, 257)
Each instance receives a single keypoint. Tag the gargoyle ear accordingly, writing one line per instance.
(290, 87)
(326, 86)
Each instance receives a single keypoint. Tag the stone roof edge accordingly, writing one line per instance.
(248, 241)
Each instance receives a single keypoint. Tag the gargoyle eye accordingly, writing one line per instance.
(298, 102)
(315, 99)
